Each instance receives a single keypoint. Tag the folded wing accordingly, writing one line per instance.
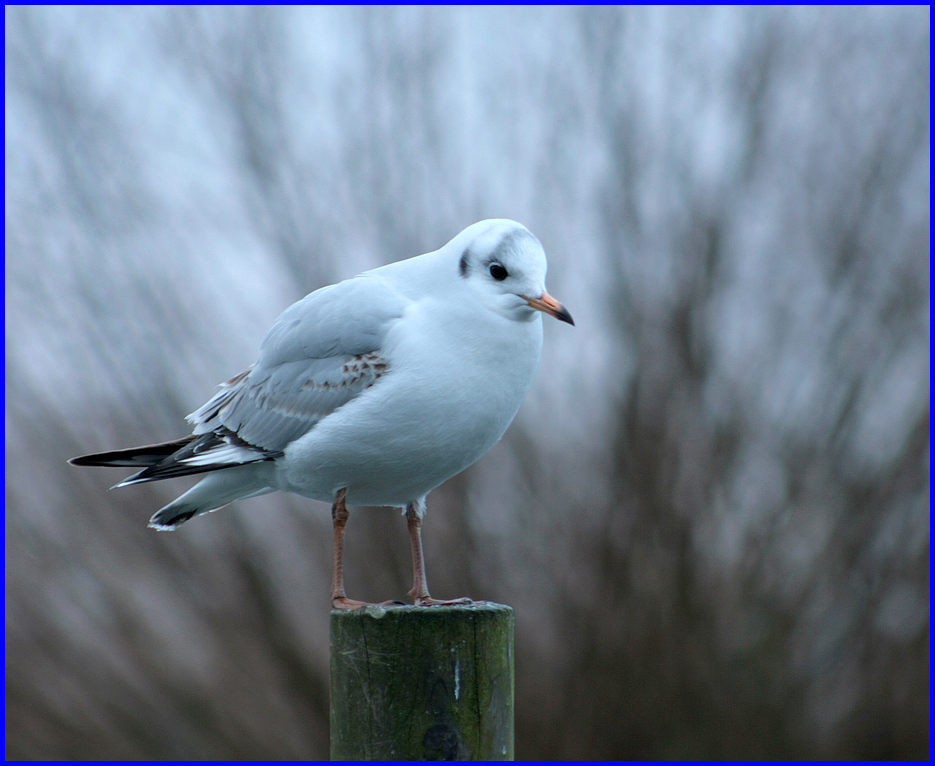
(321, 353)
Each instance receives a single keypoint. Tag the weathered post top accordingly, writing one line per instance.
(422, 683)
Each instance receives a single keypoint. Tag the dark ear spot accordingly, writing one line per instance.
(463, 263)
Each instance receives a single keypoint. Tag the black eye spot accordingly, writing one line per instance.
(498, 272)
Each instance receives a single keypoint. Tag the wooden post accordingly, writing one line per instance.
(422, 683)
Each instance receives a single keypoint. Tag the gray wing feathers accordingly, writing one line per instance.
(321, 353)
(349, 318)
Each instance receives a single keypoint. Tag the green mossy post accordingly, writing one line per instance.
(422, 683)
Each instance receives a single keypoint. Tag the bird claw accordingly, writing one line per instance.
(346, 604)
(429, 601)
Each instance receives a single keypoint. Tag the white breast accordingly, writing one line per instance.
(452, 389)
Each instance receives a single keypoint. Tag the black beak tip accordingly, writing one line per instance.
(565, 316)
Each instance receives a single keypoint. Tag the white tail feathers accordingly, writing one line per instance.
(214, 491)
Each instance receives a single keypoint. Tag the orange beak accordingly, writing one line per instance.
(550, 306)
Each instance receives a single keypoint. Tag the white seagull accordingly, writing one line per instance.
(372, 391)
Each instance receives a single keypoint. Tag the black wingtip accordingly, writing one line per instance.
(135, 457)
(83, 460)
(103, 459)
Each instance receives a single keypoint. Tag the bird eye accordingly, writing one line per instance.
(498, 272)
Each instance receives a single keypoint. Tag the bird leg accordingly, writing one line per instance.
(420, 588)
(339, 520)
(338, 599)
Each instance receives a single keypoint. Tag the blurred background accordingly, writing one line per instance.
(711, 516)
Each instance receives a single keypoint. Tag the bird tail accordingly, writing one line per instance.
(214, 491)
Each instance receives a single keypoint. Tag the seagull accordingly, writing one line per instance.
(372, 391)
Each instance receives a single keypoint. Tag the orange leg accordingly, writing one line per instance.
(339, 518)
(420, 588)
